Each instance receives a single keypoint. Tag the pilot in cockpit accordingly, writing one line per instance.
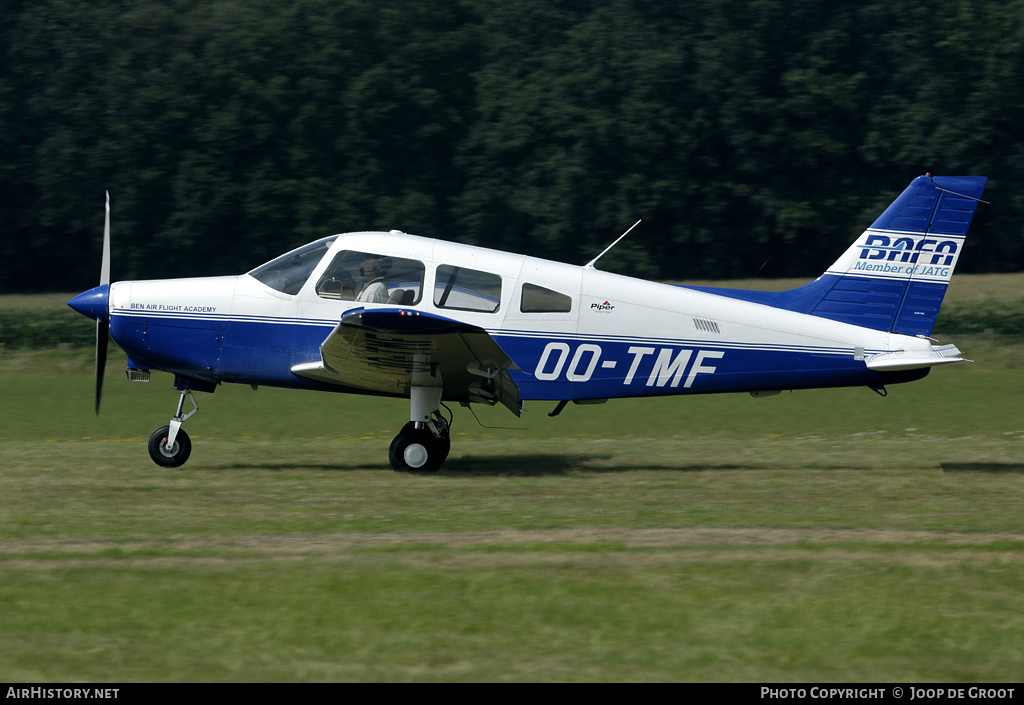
(374, 268)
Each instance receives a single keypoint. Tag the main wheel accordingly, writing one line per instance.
(176, 455)
(416, 450)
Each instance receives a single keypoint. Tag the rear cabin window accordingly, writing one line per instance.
(538, 299)
(465, 289)
(372, 278)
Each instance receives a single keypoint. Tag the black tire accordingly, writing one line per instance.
(176, 456)
(416, 450)
(444, 447)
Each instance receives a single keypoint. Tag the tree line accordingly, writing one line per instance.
(748, 135)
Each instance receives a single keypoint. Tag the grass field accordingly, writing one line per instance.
(827, 535)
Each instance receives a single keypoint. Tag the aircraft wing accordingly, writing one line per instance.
(390, 350)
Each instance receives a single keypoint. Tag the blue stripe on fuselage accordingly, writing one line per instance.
(254, 350)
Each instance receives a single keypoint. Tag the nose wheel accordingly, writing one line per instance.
(169, 455)
(170, 446)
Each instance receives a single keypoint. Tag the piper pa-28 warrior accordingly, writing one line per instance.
(432, 321)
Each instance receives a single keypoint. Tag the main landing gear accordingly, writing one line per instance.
(423, 443)
(170, 446)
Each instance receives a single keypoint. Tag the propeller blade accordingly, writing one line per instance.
(105, 262)
(102, 326)
(102, 334)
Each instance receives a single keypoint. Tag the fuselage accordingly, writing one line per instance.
(574, 332)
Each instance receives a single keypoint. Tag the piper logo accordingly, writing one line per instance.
(602, 307)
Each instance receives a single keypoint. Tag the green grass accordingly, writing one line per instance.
(579, 612)
(827, 535)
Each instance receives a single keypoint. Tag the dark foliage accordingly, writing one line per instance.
(228, 131)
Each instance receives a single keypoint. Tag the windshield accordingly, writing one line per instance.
(290, 271)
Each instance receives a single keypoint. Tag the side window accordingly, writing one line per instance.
(537, 299)
(372, 278)
(466, 289)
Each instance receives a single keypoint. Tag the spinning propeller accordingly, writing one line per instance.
(103, 323)
(93, 303)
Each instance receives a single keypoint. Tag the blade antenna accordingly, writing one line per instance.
(591, 263)
(758, 273)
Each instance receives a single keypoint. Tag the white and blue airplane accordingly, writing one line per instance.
(433, 321)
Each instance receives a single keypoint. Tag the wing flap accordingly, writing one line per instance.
(390, 350)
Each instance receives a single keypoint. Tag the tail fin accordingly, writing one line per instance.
(894, 277)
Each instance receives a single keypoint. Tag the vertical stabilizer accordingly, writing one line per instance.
(894, 277)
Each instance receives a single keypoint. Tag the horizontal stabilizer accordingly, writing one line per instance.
(913, 360)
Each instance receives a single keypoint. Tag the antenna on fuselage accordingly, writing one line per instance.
(758, 272)
(591, 263)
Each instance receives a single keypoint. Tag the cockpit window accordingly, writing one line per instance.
(467, 289)
(372, 278)
(290, 271)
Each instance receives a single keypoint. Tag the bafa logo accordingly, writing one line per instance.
(602, 307)
(906, 249)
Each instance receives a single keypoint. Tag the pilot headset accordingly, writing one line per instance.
(381, 266)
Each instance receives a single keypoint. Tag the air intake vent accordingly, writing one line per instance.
(138, 375)
(706, 325)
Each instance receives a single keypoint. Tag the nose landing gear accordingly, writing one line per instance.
(169, 445)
